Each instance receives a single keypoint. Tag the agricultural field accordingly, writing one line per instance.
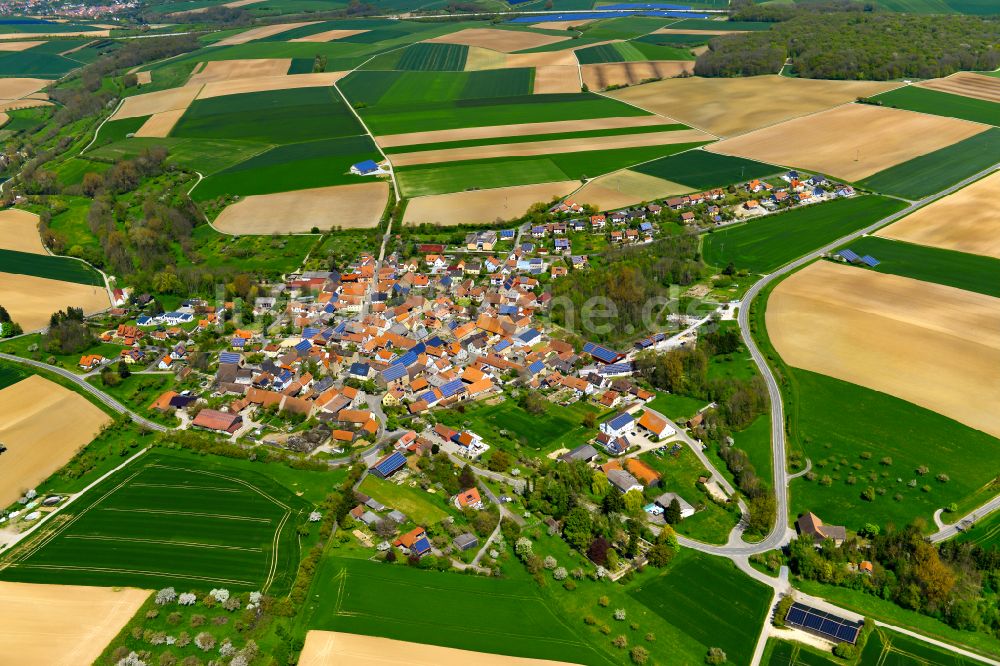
(212, 527)
(19, 232)
(617, 74)
(43, 425)
(305, 211)
(31, 300)
(985, 533)
(961, 270)
(630, 51)
(967, 84)
(710, 601)
(924, 100)
(853, 141)
(48, 267)
(766, 243)
(623, 188)
(934, 171)
(890, 648)
(482, 206)
(702, 170)
(786, 653)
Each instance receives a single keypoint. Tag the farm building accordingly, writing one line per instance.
(823, 624)
(664, 500)
(655, 425)
(584, 452)
(211, 419)
(365, 168)
(388, 465)
(810, 524)
(623, 481)
(466, 541)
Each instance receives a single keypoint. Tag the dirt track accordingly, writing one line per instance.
(43, 425)
(327, 648)
(726, 107)
(852, 141)
(19, 231)
(62, 625)
(968, 85)
(505, 41)
(934, 346)
(356, 206)
(600, 76)
(32, 300)
(625, 187)
(966, 221)
(483, 206)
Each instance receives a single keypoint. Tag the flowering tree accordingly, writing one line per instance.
(560, 573)
(619, 613)
(550, 562)
(205, 641)
(131, 659)
(220, 595)
(315, 517)
(187, 599)
(167, 595)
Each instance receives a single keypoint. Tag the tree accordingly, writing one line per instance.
(533, 403)
(92, 182)
(166, 596)
(620, 642)
(467, 478)
(715, 656)
(639, 655)
(589, 419)
(598, 551)
(782, 610)
(612, 502)
(578, 528)
(205, 641)
(123, 370)
(500, 461)
(844, 650)
(672, 514)
(660, 555)
(633, 501)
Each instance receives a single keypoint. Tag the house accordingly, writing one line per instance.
(642, 472)
(664, 500)
(584, 452)
(388, 465)
(211, 419)
(810, 524)
(619, 426)
(466, 541)
(655, 425)
(623, 481)
(91, 361)
(469, 499)
(166, 362)
(414, 542)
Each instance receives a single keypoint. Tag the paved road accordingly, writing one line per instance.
(948, 531)
(89, 388)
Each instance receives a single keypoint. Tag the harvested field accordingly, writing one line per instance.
(966, 221)
(480, 58)
(19, 231)
(144, 78)
(266, 83)
(895, 335)
(148, 104)
(564, 58)
(16, 88)
(301, 210)
(323, 648)
(674, 31)
(225, 70)
(327, 36)
(79, 33)
(561, 25)
(726, 107)
(160, 124)
(523, 129)
(260, 33)
(559, 146)
(483, 206)
(42, 624)
(967, 84)
(43, 425)
(556, 79)
(626, 187)
(852, 141)
(600, 76)
(202, 10)
(505, 41)
(31, 300)
(26, 103)
(18, 46)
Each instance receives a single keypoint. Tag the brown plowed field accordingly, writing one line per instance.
(260, 33)
(357, 206)
(327, 36)
(483, 206)
(262, 83)
(934, 346)
(505, 41)
(966, 221)
(851, 141)
(16, 88)
(225, 70)
(556, 79)
(31, 300)
(160, 124)
(18, 46)
(147, 104)
(624, 188)
(19, 231)
(967, 84)
(726, 107)
(600, 76)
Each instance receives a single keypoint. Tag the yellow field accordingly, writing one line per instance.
(43, 425)
(556, 79)
(603, 75)
(326, 648)
(174, 99)
(160, 124)
(16, 88)
(350, 206)
(18, 46)
(483, 206)
(624, 188)
(726, 107)
(852, 141)
(224, 70)
(260, 33)
(263, 83)
(19, 231)
(505, 41)
(62, 625)
(31, 300)
(966, 221)
(968, 85)
(328, 36)
(934, 346)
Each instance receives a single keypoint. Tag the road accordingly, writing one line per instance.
(948, 531)
(92, 390)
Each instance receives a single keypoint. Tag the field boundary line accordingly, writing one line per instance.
(187, 544)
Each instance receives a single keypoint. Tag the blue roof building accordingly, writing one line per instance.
(388, 465)
(618, 426)
(602, 354)
(364, 168)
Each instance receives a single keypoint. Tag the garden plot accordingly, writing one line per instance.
(966, 221)
(260, 33)
(333, 647)
(727, 107)
(224, 70)
(604, 75)
(42, 425)
(19, 231)
(934, 346)
(483, 206)
(626, 187)
(31, 300)
(328, 36)
(42, 624)
(559, 146)
(505, 41)
(967, 84)
(852, 141)
(301, 210)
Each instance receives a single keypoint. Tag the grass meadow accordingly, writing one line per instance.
(985, 533)
(170, 521)
(46, 266)
(700, 169)
(630, 52)
(890, 647)
(764, 244)
(935, 171)
(415, 503)
(785, 653)
(939, 103)
(971, 272)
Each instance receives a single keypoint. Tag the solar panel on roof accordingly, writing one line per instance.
(229, 357)
(795, 615)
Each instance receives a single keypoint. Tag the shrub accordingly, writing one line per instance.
(590, 619)
(560, 573)
(639, 655)
(550, 562)
(604, 601)
(844, 650)
(715, 656)
(205, 641)
(197, 620)
(620, 642)
(619, 614)
(651, 637)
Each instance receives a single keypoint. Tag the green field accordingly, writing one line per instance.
(889, 648)
(679, 41)
(631, 52)
(971, 272)
(183, 521)
(676, 407)
(700, 169)
(626, 27)
(984, 533)
(422, 57)
(466, 612)
(765, 244)
(45, 266)
(708, 599)
(10, 375)
(415, 503)
(207, 156)
(280, 116)
(371, 88)
(407, 117)
(914, 98)
(935, 171)
(785, 653)
(427, 179)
